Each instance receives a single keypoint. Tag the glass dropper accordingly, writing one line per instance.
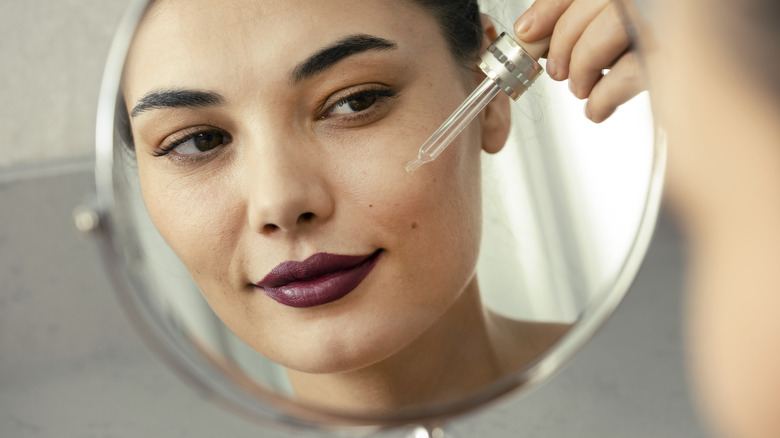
(509, 68)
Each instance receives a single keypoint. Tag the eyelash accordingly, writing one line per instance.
(167, 149)
(381, 95)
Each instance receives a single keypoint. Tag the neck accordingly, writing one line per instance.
(452, 358)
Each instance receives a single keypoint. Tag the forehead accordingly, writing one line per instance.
(235, 38)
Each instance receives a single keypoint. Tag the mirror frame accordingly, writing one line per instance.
(214, 380)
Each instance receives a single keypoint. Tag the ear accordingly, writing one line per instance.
(496, 119)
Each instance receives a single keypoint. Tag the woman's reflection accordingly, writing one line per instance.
(271, 138)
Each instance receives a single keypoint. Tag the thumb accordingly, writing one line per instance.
(539, 20)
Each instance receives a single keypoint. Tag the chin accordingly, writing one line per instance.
(335, 357)
(327, 350)
(326, 364)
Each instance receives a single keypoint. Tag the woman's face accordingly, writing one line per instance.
(273, 131)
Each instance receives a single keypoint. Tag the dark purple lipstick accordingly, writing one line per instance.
(320, 279)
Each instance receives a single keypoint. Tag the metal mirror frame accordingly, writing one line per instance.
(176, 349)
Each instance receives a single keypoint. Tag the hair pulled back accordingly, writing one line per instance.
(460, 23)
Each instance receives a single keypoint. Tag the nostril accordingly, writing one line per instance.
(305, 217)
(268, 228)
(273, 227)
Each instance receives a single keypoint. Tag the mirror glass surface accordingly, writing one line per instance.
(263, 233)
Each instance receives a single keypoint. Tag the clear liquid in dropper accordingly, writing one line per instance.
(455, 124)
(508, 67)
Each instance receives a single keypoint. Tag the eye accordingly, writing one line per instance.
(354, 103)
(196, 143)
(362, 103)
(200, 142)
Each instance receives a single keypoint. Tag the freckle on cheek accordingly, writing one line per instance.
(370, 205)
(414, 225)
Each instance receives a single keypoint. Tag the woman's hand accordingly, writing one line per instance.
(587, 37)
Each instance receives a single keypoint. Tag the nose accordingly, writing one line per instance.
(287, 190)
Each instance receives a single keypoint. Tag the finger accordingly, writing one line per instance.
(567, 32)
(600, 45)
(539, 20)
(618, 86)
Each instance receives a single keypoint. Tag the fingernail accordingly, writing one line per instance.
(587, 113)
(523, 25)
(552, 70)
(572, 88)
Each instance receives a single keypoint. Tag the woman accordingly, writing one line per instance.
(271, 138)
(714, 67)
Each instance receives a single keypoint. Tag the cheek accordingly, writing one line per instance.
(194, 218)
(430, 221)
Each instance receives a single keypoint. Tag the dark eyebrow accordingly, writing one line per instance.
(327, 57)
(177, 99)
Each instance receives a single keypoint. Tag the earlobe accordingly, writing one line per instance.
(496, 118)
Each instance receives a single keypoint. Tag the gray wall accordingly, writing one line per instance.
(51, 60)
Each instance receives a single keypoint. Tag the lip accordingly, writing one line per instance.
(320, 279)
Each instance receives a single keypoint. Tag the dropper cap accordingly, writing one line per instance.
(511, 66)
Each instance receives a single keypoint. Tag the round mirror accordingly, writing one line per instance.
(262, 231)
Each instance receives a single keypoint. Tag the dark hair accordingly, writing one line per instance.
(758, 38)
(459, 21)
(122, 129)
(461, 24)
